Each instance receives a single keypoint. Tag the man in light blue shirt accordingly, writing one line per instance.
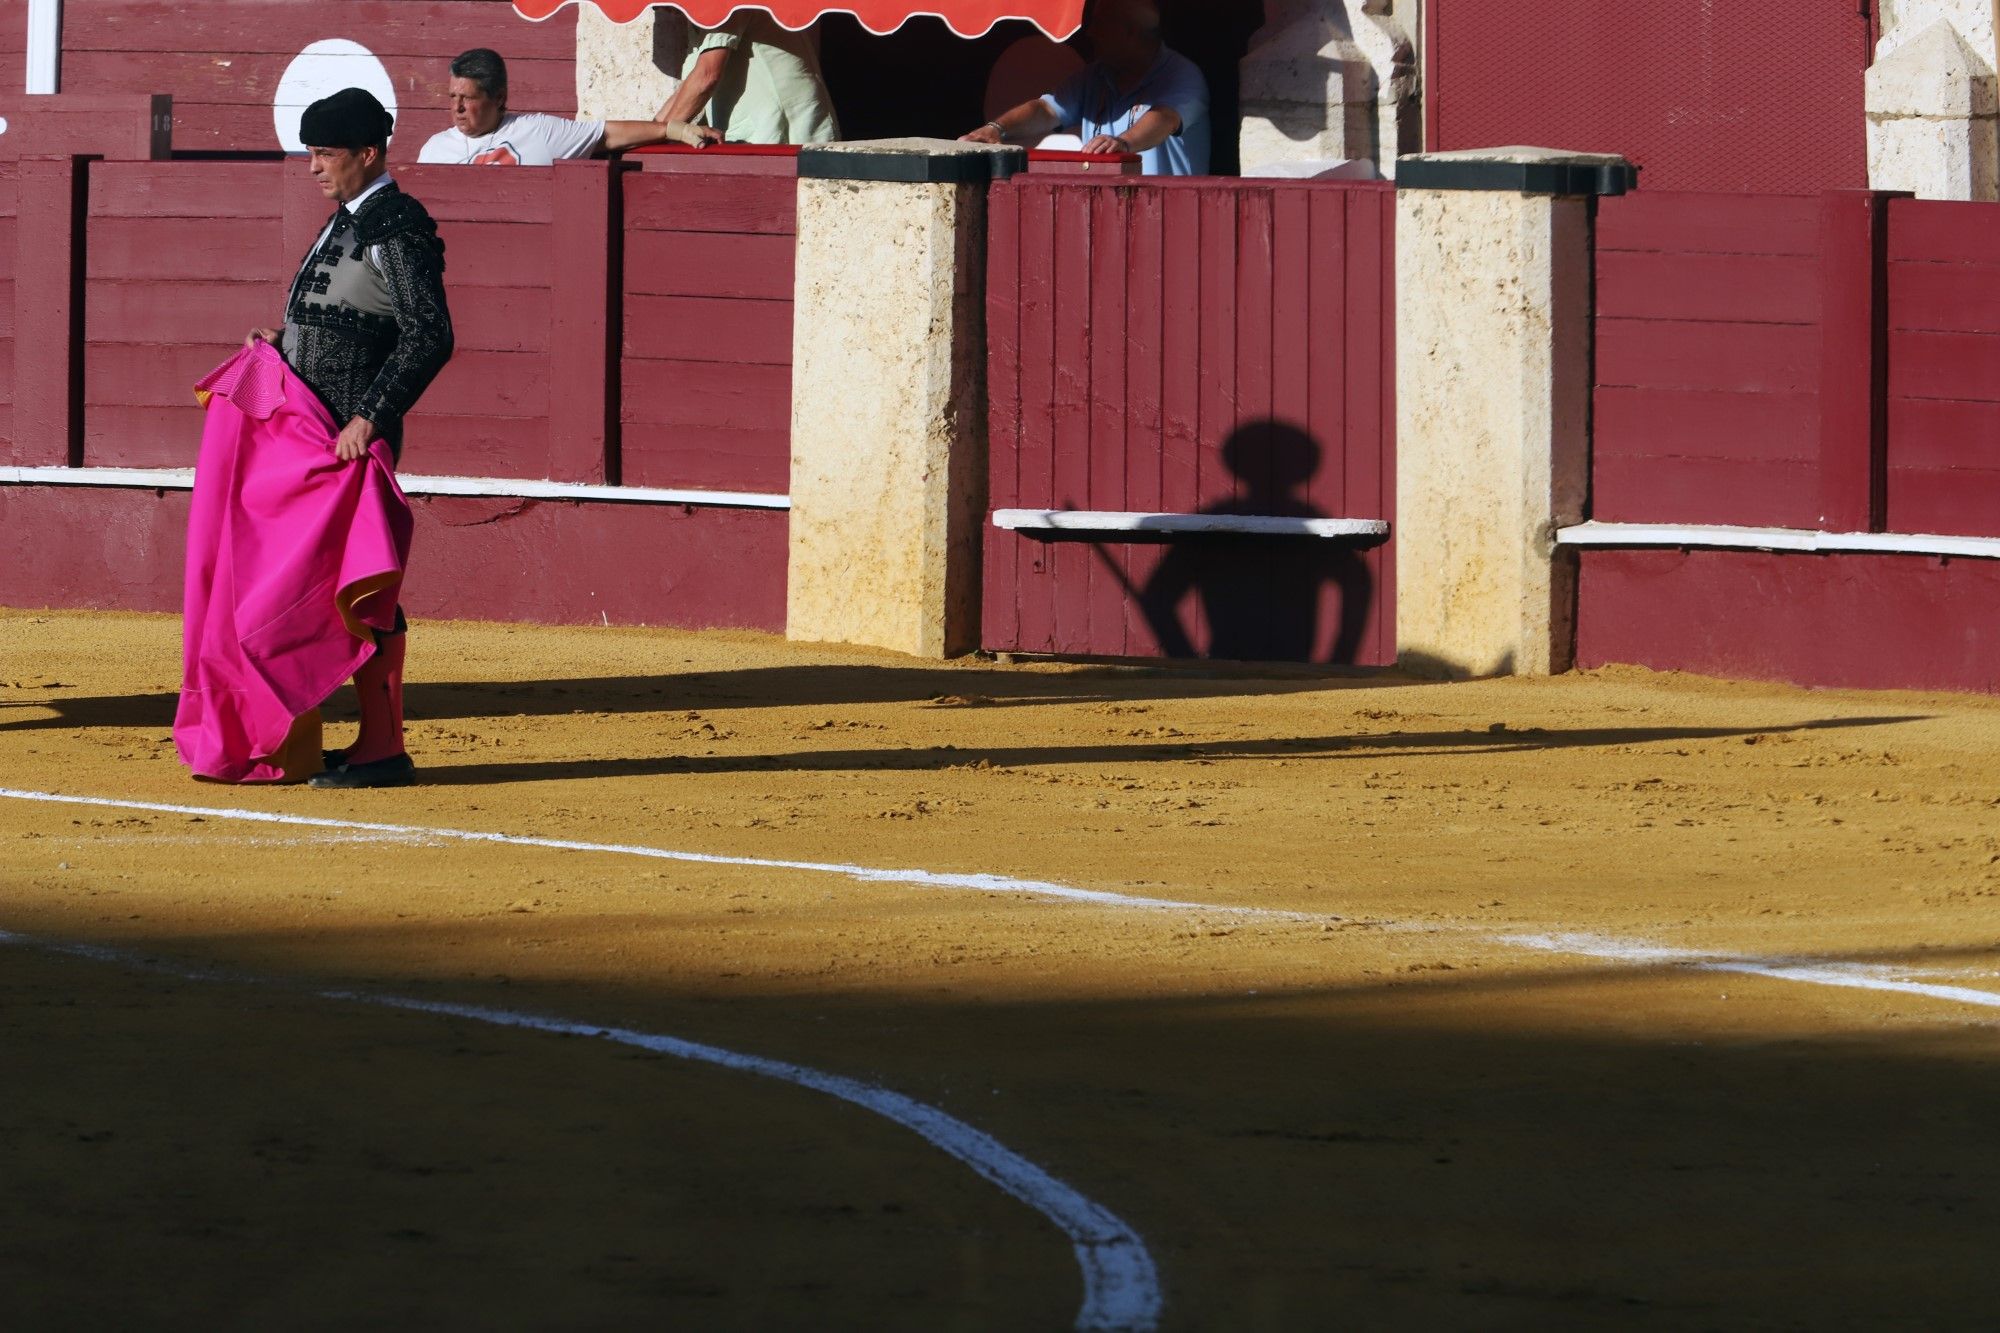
(1136, 97)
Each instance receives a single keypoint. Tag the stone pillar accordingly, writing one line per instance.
(1327, 80)
(1493, 281)
(1931, 114)
(888, 394)
(627, 71)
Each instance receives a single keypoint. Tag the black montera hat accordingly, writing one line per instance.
(350, 118)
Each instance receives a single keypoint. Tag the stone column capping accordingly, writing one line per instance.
(912, 162)
(1518, 169)
(1932, 123)
(888, 482)
(1493, 352)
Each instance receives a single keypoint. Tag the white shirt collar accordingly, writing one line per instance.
(384, 179)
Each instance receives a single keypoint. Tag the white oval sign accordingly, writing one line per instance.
(320, 70)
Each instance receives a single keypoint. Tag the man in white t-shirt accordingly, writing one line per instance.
(485, 133)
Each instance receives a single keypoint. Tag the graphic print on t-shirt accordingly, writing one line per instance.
(502, 156)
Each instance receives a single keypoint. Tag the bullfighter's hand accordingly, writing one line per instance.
(354, 440)
(275, 337)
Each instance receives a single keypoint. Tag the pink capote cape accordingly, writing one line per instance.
(293, 559)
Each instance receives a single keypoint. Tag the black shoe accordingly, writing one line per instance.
(332, 759)
(395, 771)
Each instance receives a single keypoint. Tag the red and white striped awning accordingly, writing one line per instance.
(968, 18)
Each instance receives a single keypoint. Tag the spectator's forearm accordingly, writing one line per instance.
(1153, 129)
(1030, 120)
(691, 98)
(622, 134)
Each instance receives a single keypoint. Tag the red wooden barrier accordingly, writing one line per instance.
(1708, 359)
(547, 562)
(182, 259)
(1191, 347)
(1944, 367)
(528, 256)
(223, 59)
(1853, 361)
(129, 126)
(730, 159)
(8, 172)
(707, 356)
(48, 356)
(1851, 621)
(13, 49)
(1822, 362)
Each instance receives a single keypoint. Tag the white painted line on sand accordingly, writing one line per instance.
(1804, 971)
(1811, 972)
(1121, 1286)
(930, 879)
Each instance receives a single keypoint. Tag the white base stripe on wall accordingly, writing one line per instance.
(517, 488)
(1704, 536)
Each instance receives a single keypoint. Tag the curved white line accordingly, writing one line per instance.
(1121, 1286)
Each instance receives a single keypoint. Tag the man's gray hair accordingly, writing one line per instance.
(484, 68)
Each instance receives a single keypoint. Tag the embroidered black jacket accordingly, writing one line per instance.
(367, 325)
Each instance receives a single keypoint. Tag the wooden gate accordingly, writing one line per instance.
(1191, 398)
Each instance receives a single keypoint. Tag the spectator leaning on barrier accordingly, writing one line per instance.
(757, 82)
(1135, 97)
(485, 133)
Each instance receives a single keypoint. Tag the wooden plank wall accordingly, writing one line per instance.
(223, 59)
(1191, 347)
(1944, 367)
(181, 260)
(14, 47)
(1708, 360)
(706, 371)
(487, 414)
(8, 320)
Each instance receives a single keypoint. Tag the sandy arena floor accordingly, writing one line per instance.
(1615, 1000)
